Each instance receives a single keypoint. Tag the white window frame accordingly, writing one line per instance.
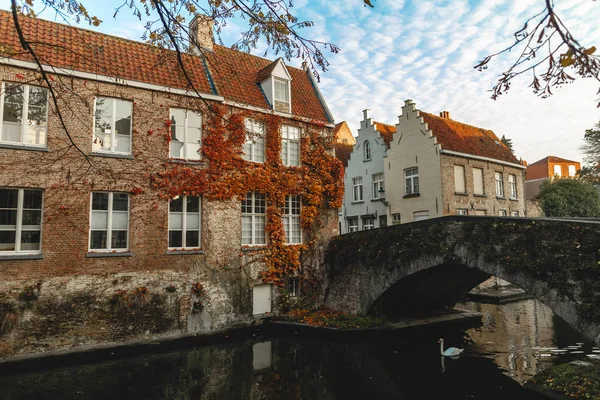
(514, 214)
(184, 215)
(109, 219)
(411, 179)
(462, 211)
(396, 219)
(572, 170)
(557, 170)
(25, 116)
(482, 181)
(512, 186)
(368, 223)
(290, 137)
(286, 84)
(378, 185)
(357, 189)
(292, 219)
(255, 139)
(367, 154)
(502, 213)
(19, 223)
(460, 181)
(185, 142)
(293, 287)
(255, 218)
(113, 138)
(351, 227)
(499, 179)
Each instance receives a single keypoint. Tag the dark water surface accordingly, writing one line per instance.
(513, 344)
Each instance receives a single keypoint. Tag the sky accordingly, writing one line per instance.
(425, 51)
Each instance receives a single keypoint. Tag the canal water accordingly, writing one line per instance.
(514, 342)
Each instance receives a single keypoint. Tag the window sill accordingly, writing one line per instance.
(16, 256)
(480, 195)
(184, 161)
(513, 199)
(461, 193)
(500, 197)
(111, 155)
(109, 254)
(376, 200)
(357, 202)
(255, 248)
(181, 252)
(367, 160)
(408, 196)
(23, 147)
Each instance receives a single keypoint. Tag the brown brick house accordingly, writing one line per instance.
(108, 231)
(547, 168)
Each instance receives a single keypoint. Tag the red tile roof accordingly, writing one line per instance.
(233, 73)
(467, 139)
(386, 131)
(342, 152)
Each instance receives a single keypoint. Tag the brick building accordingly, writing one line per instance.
(436, 166)
(548, 168)
(105, 231)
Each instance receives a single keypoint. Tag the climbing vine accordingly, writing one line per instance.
(226, 176)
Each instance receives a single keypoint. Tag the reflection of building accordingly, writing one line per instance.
(546, 168)
(510, 332)
(436, 166)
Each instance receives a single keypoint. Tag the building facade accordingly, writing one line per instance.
(135, 207)
(548, 168)
(364, 178)
(436, 166)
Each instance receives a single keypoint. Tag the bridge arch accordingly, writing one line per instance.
(434, 262)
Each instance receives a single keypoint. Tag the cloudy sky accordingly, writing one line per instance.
(425, 51)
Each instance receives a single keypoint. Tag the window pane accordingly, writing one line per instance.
(246, 230)
(177, 116)
(13, 103)
(123, 143)
(192, 221)
(175, 239)
(259, 231)
(38, 100)
(120, 201)
(175, 221)
(123, 117)
(194, 120)
(30, 240)
(9, 198)
(99, 219)
(100, 201)
(259, 149)
(176, 205)
(247, 204)
(259, 203)
(192, 151)
(192, 239)
(193, 204)
(177, 149)
(294, 156)
(7, 240)
(11, 132)
(32, 199)
(35, 134)
(98, 240)
(119, 239)
(177, 132)
(8, 218)
(32, 217)
(103, 115)
(119, 220)
(193, 135)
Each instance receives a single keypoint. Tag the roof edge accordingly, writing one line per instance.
(274, 112)
(494, 160)
(328, 113)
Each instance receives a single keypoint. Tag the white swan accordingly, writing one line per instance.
(450, 351)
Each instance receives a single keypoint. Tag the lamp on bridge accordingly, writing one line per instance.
(381, 192)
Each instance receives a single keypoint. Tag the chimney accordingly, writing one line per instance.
(445, 114)
(366, 114)
(201, 33)
(522, 162)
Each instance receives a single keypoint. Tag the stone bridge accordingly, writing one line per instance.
(425, 265)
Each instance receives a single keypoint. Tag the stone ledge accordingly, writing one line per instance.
(21, 257)
(101, 255)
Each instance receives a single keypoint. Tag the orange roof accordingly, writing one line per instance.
(343, 134)
(231, 74)
(342, 152)
(467, 139)
(386, 131)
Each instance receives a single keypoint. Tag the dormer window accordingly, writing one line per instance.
(275, 81)
(281, 91)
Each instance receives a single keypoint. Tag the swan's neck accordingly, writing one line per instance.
(442, 348)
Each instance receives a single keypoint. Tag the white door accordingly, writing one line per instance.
(261, 353)
(261, 299)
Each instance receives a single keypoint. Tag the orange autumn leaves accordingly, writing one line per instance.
(225, 176)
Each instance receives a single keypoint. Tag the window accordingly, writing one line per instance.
(352, 225)
(186, 134)
(478, 187)
(290, 146)
(109, 227)
(462, 211)
(253, 219)
(24, 112)
(368, 223)
(357, 189)
(291, 220)
(514, 214)
(367, 151)
(480, 212)
(396, 219)
(254, 148)
(420, 215)
(459, 179)
(502, 213)
(512, 184)
(112, 125)
(557, 170)
(377, 186)
(382, 221)
(499, 185)
(281, 91)
(572, 170)
(411, 176)
(293, 287)
(20, 220)
(184, 222)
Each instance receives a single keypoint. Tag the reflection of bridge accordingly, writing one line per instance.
(429, 264)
